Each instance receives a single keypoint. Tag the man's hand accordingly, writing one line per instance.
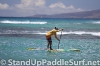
(62, 29)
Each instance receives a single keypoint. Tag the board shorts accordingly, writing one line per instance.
(49, 38)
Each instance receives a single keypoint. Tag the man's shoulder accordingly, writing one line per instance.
(53, 30)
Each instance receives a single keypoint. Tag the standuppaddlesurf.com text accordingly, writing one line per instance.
(36, 62)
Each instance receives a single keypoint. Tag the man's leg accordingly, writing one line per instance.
(51, 45)
(48, 45)
(49, 42)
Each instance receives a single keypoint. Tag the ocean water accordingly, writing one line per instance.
(19, 34)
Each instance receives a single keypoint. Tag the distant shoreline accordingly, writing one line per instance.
(94, 14)
(48, 18)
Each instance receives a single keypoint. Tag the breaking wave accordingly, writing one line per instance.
(78, 33)
(97, 22)
(22, 22)
(43, 33)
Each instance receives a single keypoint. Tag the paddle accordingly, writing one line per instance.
(60, 38)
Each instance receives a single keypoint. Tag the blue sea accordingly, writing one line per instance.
(18, 34)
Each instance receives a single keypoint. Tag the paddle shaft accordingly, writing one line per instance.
(60, 39)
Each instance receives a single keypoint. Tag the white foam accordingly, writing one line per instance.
(97, 22)
(58, 33)
(78, 23)
(22, 22)
(83, 32)
(75, 32)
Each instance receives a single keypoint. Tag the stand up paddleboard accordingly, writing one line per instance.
(56, 50)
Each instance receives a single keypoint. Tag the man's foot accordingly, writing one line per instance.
(51, 49)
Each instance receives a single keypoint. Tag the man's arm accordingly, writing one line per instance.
(56, 37)
(59, 30)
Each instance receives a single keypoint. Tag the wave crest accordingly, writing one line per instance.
(43, 33)
(97, 22)
(22, 22)
(77, 33)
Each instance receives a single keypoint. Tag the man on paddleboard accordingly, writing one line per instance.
(48, 37)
